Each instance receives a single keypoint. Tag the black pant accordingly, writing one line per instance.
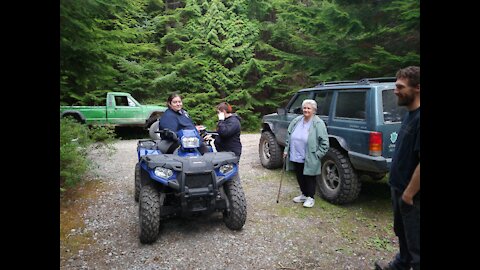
(306, 182)
(406, 224)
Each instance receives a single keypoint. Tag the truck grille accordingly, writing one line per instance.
(198, 180)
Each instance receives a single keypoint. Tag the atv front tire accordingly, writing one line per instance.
(149, 214)
(138, 181)
(236, 215)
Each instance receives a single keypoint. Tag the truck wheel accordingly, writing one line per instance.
(138, 180)
(269, 151)
(237, 215)
(152, 129)
(338, 183)
(149, 214)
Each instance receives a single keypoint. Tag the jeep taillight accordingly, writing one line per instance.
(375, 145)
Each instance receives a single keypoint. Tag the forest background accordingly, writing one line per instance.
(253, 54)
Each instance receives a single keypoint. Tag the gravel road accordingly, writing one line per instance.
(275, 236)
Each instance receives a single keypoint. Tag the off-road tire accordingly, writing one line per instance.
(269, 151)
(152, 129)
(338, 183)
(138, 181)
(236, 217)
(149, 214)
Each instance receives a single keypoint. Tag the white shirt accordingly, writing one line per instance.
(298, 140)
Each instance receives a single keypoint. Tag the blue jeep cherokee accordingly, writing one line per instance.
(362, 119)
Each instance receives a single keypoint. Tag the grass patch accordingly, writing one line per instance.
(380, 244)
(72, 206)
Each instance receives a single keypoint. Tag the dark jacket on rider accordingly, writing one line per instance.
(179, 120)
(229, 135)
(175, 120)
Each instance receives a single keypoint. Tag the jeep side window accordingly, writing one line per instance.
(351, 105)
(392, 113)
(323, 99)
(296, 106)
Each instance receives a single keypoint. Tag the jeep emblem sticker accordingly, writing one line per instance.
(393, 137)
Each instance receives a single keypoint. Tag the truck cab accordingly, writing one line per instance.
(119, 109)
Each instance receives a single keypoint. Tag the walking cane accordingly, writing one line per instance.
(281, 178)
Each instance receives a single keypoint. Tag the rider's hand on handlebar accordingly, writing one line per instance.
(208, 137)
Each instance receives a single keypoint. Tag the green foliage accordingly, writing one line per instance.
(105, 134)
(74, 140)
(251, 53)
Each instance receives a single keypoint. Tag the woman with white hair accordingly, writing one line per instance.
(306, 143)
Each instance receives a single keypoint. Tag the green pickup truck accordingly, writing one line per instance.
(120, 109)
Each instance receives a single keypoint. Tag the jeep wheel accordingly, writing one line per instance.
(152, 129)
(149, 214)
(338, 182)
(235, 216)
(269, 151)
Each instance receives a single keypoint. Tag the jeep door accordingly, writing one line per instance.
(323, 99)
(348, 119)
(294, 109)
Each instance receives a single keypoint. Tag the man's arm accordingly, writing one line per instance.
(413, 187)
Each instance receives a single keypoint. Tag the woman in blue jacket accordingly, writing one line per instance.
(306, 143)
(176, 118)
(228, 129)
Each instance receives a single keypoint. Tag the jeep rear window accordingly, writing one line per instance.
(351, 105)
(392, 113)
(296, 106)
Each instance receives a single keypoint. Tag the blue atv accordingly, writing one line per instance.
(173, 178)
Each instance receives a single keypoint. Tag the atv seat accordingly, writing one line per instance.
(166, 146)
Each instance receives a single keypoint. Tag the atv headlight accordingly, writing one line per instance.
(190, 142)
(163, 172)
(224, 169)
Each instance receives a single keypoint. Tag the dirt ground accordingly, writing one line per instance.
(99, 224)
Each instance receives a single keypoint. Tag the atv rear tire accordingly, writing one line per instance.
(237, 215)
(138, 181)
(338, 183)
(149, 214)
(269, 151)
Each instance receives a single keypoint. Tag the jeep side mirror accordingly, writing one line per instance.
(281, 111)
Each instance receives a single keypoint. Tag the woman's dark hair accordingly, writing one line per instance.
(224, 106)
(171, 97)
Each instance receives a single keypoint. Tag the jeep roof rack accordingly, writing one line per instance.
(379, 79)
(335, 82)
